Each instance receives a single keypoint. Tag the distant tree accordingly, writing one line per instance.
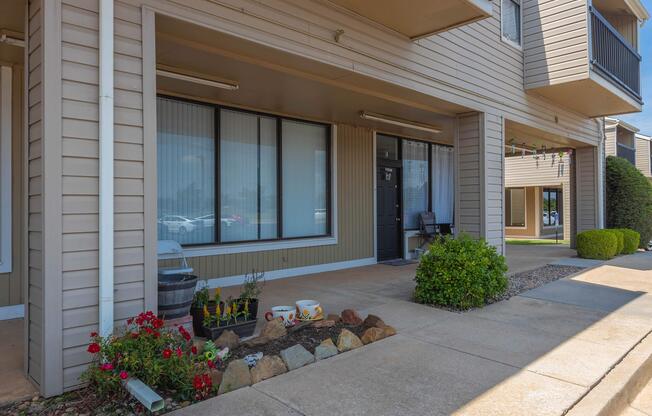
(629, 198)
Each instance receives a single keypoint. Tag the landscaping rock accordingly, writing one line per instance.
(348, 341)
(216, 377)
(299, 326)
(235, 377)
(256, 342)
(227, 339)
(274, 329)
(324, 324)
(325, 350)
(269, 366)
(388, 331)
(333, 317)
(296, 356)
(351, 317)
(372, 335)
(373, 321)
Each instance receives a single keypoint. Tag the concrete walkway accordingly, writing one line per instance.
(535, 354)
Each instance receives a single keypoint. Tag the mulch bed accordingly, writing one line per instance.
(308, 336)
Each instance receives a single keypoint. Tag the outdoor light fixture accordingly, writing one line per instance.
(399, 122)
(225, 85)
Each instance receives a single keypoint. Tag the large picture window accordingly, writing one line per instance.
(228, 176)
(415, 182)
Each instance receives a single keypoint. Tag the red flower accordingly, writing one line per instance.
(167, 353)
(150, 331)
(207, 380)
(184, 333)
(93, 334)
(197, 382)
(124, 375)
(211, 364)
(134, 335)
(157, 334)
(158, 323)
(106, 367)
(130, 321)
(94, 348)
(179, 352)
(193, 350)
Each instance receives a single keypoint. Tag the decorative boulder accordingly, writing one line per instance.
(216, 377)
(235, 377)
(388, 331)
(269, 366)
(351, 317)
(348, 341)
(227, 339)
(325, 350)
(296, 356)
(373, 321)
(274, 329)
(372, 335)
(324, 324)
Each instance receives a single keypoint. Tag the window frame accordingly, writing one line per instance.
(6, 132)
(399, 162)
(525, 216)
(505, 39)
(217, 247)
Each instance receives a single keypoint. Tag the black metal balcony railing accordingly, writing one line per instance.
(614, 56)
(626, 152)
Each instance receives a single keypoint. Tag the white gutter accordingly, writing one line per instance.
(106, 169)
(601, 173)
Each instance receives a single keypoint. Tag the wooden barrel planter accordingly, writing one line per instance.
(175, 293)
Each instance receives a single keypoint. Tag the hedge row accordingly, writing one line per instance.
(607, 244)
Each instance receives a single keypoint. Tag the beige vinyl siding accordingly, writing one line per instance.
(80, 179)
(468, 153)
(355, 219)
(555, 41)
(542, 173)
(610, 147)
(643, 156)
(35, 191)
(11, 284)
(587, 199)
(493, 173)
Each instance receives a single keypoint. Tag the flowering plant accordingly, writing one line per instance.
(164, 359)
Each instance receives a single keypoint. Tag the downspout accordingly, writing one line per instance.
(601, 173)
(106, 170)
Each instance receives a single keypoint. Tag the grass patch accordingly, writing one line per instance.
(534, 242)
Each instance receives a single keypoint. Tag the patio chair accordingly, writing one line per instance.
(173, 250)
(428, 231)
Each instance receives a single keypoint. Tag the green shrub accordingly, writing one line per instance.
(621, 240)
(597, 244)
(461, 273)
(631, 240)
(629, 199)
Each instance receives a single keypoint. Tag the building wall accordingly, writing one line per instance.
(531, 213)
(610, 147)
(470, 66)
(643, 156)
(586, 165)
(355, 219)
(11, 284)
(555, 41)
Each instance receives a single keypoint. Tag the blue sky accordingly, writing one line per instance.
(644, 120)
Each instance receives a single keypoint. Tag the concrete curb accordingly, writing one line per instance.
(613, 393)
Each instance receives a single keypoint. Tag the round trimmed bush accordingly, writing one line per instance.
(597, 244)
(629, 199)
(621, 240)
(631, 240)
(461, 273)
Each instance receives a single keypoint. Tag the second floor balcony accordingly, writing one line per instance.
(584, 56)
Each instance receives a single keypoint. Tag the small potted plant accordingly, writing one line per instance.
(231, 318)
(251, 289)
(202, 300)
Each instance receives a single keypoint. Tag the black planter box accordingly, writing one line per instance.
(242, 329)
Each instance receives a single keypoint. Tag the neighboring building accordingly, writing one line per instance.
(537, 195)
(624, 140)
(289, 136)
(644, 154)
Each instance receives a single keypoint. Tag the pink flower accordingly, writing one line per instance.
(124, 375)
(106, 367)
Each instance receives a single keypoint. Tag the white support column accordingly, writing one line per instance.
(480, 172)
(106, 169)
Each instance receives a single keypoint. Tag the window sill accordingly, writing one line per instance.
(217, 250)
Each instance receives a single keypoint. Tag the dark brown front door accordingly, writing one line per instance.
(388, 212)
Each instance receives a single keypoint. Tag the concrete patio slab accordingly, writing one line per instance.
(577, 262)
(522, 258)
(13, 384)
(246, 401)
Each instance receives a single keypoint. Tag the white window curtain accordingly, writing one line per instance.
(304, 163)
(186, 171)
(247, 176)
(415, 182)
(511, 15)
(443, 183)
